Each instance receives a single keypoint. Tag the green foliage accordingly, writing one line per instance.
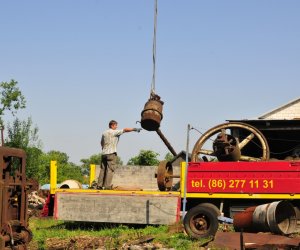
(32, 162)
(114, 236)
(22, 134)
(44, 169)
(60, 157)
(169, 156)
(178, 241)
(42, 229)
(94, 159)
(65, 170)
(145, 158)
(119, 161)
(11, 98)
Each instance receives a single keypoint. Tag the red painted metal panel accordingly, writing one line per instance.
(244, 177)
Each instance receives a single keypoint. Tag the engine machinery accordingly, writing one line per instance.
(14, 190)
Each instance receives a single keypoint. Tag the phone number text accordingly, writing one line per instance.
(232, 184)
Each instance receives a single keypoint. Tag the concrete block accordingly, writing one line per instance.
(118, 207)
(141, 176)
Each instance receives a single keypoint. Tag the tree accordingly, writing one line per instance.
(11, 99)
(22, 134)
(65, 170)
(94, 159)
(144, 158)
(169, 156)
(33, 161)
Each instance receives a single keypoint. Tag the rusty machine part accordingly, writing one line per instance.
(14, 190)
(228, 146)
(165, 176)
(164, 139)
(151, 118)
(277, 217)
(152, 113)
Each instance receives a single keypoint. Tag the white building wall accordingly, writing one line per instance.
(288, 113)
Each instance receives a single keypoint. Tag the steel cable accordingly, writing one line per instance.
(154, 49)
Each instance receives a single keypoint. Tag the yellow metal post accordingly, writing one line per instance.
(92, 173)
(53, 176)
(185, 172)
(183, 178)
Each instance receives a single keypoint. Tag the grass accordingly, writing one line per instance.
(114, 235)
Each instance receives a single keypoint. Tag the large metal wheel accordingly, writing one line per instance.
(165, 176)
(250, 137)
(201, 221)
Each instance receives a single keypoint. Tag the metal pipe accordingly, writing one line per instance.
(164, 139)
(221, 207)
(242, 240)
(186, 168)
(2, 136)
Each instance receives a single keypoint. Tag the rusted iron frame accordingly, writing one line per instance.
(9, 185)
(166, 142)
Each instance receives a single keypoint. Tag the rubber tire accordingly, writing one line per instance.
(208, 214)
(211, 206)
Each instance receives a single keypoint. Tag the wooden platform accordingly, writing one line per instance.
(118, 207)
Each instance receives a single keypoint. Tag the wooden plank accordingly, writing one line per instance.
(117, 208)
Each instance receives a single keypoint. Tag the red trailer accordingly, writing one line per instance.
(226, 188)
(232, 167)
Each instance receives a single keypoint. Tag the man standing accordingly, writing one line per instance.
(109, 141)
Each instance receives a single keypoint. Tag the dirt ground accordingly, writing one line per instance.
(96, 243)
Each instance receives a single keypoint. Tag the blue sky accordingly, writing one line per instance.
(82, 63)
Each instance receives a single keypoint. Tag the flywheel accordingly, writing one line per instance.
(231, 141)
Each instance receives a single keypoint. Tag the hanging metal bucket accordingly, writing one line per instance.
(152, 114)
(277, 217)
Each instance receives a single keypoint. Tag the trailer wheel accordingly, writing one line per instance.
(211, 206)
(201, 221)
